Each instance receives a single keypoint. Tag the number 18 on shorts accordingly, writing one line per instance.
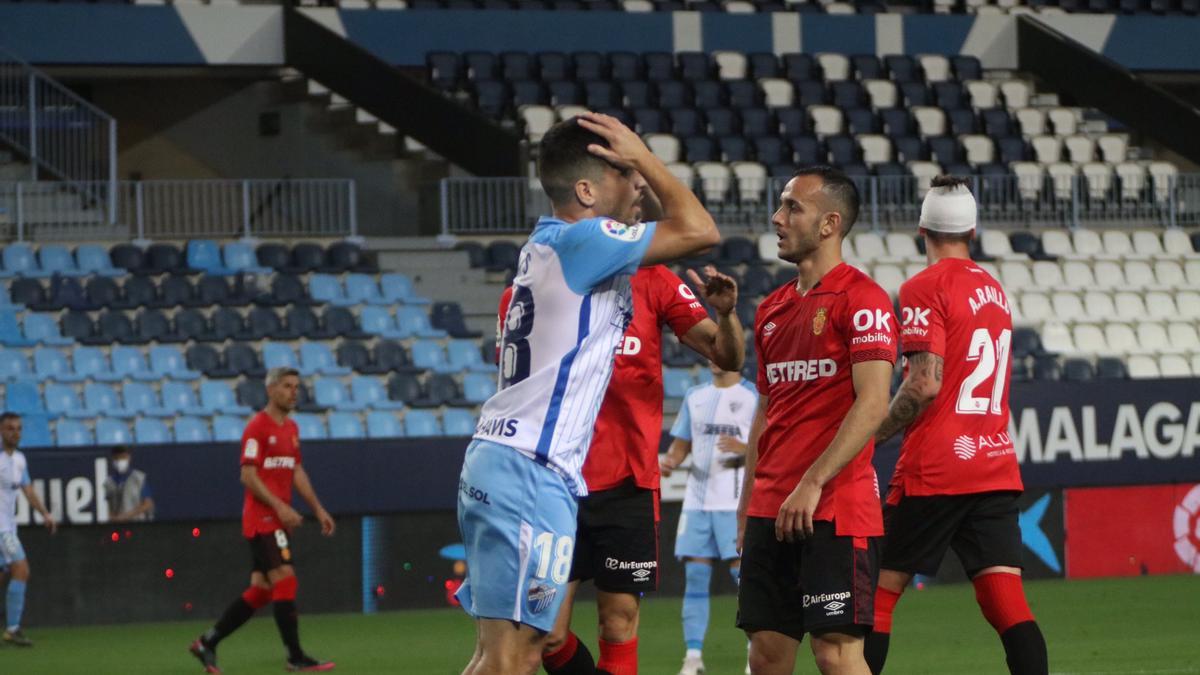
(517, 520)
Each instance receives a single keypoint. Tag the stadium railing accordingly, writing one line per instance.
(60, 133)
(511, 205)
(180, 209)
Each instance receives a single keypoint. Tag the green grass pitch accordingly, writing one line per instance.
(1146, 625)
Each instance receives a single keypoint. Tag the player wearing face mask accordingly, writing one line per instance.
(127, 490)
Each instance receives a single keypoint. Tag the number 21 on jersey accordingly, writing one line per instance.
(991, 358)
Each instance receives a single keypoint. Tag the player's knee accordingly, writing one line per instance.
(618, 623)
(833, 656)
(555, 640)
(767, 657)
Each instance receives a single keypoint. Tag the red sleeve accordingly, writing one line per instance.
(254, 444)
(761, 377)
(870, 324)
(678, 305)
(501, 313)
(295, 429)
(923, 327)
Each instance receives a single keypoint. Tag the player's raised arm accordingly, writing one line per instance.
(722, 341)
(685, 228)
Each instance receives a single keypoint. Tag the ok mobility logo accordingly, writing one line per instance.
(1034, 538)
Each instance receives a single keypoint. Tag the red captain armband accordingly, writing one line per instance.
(888, 355)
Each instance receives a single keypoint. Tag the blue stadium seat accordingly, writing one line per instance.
(463, 356)
(57, 260)
(279, 355)
(92, 363)
(914, 94)
(52, 365)
(239, 257)
(169, 362)
(13, 365)
(903, 68)
(448, 316)
(179, 397)
(114, 326)
(966, 68)
(22, 396)
(112, 432)
(263, 323)
(94, 259)
(362, 289)
(72, 434)
(771, 150)
(758, 123)
(328, 288)
(565, 93)
(312, 427)
(379, 321)
(273, 256)
(218, 397)
(458, 422)
(151, 431)
(421, 423)
(130, 363)
(43, 329)
(382, 424)
(808, 150)
(708, 95)
(315, 358)
(430, 355)
(553, 66)
(18, 260)
(763, 64)
(341, 322)
(27, 293)
(399, 288)
(700, 149)
(205, 255)
(478, 387)
(676, 382)
(743, 95)
(192, 430)
(101, 400)
(866, 67)
(128, 257)
(331, 393)
(685, 122)
(368, 392)
(801, 67)
(36, 432)
(228, 429)
(142, 398)
(345, 425)
(62, 400)
(414, 321)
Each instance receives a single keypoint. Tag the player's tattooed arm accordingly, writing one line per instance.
(922, 385)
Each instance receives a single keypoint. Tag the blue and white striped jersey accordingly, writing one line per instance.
(709, 412)
(14, 474)
(570, 306)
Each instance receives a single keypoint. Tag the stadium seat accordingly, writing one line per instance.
(331, 393)
(113, 432)
(286, 290)
(312, 427)
(315, 358)
(362, 289)
(168, 362)
(52, 365)
(130, 363)
(228, 429)
(413, 321)
(239, 258)
(383, 424)
(93, 259)
(326, 288)
(340, 321)
(398, 288)
(306, 257)
(219, 397)
(10, 329)
(137, 292)
(26, 292)
(448, 316)
(22, 396)
(279, 355)
(1174, 365)
(61, 400)
(167, 258)
(345, 425)
(393, 357)
(43, 329)
(676, 382)
(152, 325)
(92, 363)
(179, 397)
(72, 434)
(1109, 368)
(1077, 370)
(101, 400)
(1047, 368)
(151, 431)
(205, 255)
(463, 356)
(458, 422)
(211, 291)
(13, 365)
(192, 430)
(478, 388)
(368, 392)
(430, 355)
(1142, 367)
(114, 326)
(378, 321)
(252, 394)
(421, 423)
(18, 260)
(1121, 339)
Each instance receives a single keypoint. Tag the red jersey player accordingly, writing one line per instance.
(618, 520)
(809, 513)
(270, 466)
(957, 480)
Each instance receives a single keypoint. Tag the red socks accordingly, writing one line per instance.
(561, 656)
(885, 604)
(618, 658)
(284, 589)
(257, 597)
(1002, 599)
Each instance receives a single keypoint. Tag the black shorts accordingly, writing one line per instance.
(982, 529)
(616, 543)
(822, 584)
(271, 551)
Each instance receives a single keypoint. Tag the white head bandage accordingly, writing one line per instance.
(948, 209)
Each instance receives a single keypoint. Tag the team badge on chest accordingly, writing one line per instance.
(819, 321)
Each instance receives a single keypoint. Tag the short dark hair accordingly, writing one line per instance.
(6, 416)
(948, 181)
(563, 159)
(841, 188)
(120, 450)
(948, 237)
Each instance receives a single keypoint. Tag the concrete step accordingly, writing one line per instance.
(415, 262)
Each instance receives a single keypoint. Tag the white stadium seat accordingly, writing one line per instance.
(931, 121)
(1162, 176)
(936, 67)
(1109, 274)
(1032, 121)
(881, 92)
(684, 173)
(1068, 307)
(715, 179)
(1088, 244)
(1062, 179)
(979, 149)
(1188, 305)
(1113, 147)
(1177, 244)
(876, 148)
(1030, 179)
(751, 181)
(835, 66)
(1047, 275)
(1077, 276)
(1173, 365)
(1191, 270)
(779, 93)
(1056, 338)
(538, 120)
(1139, 275)
(1183, 337)
(1036, 307)
(1058, 243)
(1133, 180)
(1143, 368)
(1089, 339)
(768, 247)
(1169, 274)
(1153, 337)
(826, 119)
(983, 94)
(1080, 149)
(664, 147)
(889, 277)
(996, 244)
(869, 247)
(1121, 339)
(903, 247)
(1098, 305)
(923, 173)
(1098, 177)
(1129, 306)
(1015, 276)
(1064, 120)
(730, 65)
(1148, 243)
(1047, 149)
(1016, 93)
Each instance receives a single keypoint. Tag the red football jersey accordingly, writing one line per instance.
(960, 444)
(806, 346)
(628, 428)
(275, 449)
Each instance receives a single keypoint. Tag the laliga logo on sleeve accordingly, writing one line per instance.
(1187, 529)
(621, 231)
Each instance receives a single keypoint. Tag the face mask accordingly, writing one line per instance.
(122, 465)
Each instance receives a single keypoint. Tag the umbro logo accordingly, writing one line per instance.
(641, 575)
(769, 328)
(834, 606)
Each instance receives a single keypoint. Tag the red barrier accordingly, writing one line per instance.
(1128, 531)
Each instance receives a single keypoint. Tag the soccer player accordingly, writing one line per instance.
(957, 480)
(713, 426)
(810, 506)
(271, 465)
(570, 307)
(618, 519)
(14, 478)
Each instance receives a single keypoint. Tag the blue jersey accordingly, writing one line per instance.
(14, 474)
(570, 307)
(709, 412)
